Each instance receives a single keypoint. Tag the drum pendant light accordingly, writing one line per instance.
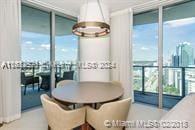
(92, 28)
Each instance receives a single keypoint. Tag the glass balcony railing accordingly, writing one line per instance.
(177, 82)
(35, 70)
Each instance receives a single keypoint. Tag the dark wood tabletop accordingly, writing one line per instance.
(88, 92)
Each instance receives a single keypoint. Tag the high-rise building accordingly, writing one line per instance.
(185, 52)
(184, 57)
(175, 60)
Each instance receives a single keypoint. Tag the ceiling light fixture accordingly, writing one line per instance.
(92, 28)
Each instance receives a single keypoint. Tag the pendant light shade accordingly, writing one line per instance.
(92, 28)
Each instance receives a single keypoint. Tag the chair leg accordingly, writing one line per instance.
(25, 90)
(1, 124)
(49, 128)
(74, 106)
(95, 105)
(38, 87)
(33, 86)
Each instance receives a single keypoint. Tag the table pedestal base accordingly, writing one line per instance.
(86, 126)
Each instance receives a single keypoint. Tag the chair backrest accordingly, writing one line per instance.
(117, 109)
(68, 75)
(60, 119)
(64, 82)
(23, 78)
(23, 75)
(52, 112)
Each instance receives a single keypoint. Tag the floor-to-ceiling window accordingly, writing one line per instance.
(66, 49)
(145, 56)
(178, 51)
(178, 54)
(35, 50)
(38, 51)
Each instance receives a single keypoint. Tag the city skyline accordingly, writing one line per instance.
(145, 39)
(184, 55)
(37, 46)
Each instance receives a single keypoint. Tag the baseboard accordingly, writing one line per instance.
(10, 118)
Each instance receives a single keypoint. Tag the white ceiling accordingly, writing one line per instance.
(113, 5)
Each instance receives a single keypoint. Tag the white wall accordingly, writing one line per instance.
(97, 50)
(94, 49)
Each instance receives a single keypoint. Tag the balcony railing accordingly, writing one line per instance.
(59, 70)
(177, 81)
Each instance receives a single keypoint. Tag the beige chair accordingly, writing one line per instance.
(59, 118)
(117, 110)
(64, 82)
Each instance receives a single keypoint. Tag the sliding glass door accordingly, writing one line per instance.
(40, 48)
(178, 58)
(145, 57)
(35, 53)
(178, 52)
(66, 49)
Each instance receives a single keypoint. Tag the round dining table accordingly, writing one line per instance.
(88, 92)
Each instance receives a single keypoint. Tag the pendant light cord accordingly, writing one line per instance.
(98, 1)
(100, 8)
(86, 10)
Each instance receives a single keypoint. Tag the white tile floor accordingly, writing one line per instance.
(35, 120)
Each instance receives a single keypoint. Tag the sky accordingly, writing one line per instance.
(36, 47)
(145, 38)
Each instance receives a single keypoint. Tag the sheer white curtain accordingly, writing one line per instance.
(10, 99)
(121, 49)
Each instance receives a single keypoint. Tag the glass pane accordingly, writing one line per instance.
(172, 84)
(178, 57)
(151, 79)
(190, 80)
(66, 50)
(35, 80)
(145, 56)
(137, 80)
(145, 39)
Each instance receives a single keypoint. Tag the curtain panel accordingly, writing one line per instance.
(10, 99)
(121, 50)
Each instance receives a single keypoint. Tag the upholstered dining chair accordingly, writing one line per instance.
(63, 83)
(29, 80)
(69, 75)
(59, 118)
(117, 110)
